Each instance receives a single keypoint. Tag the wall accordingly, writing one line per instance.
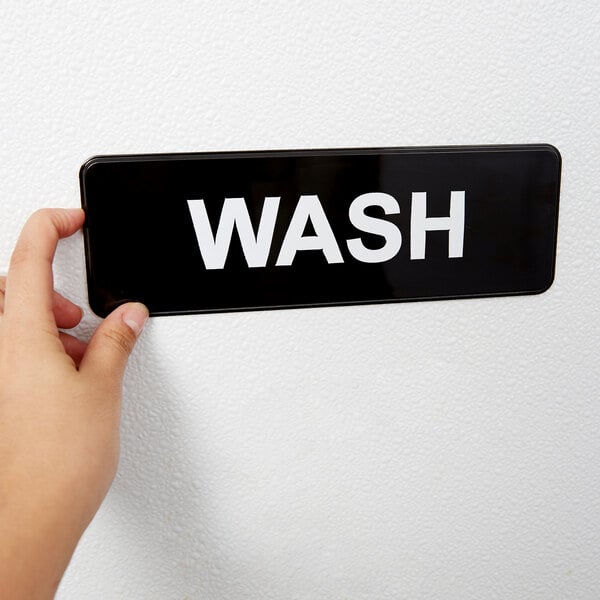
(427, 450)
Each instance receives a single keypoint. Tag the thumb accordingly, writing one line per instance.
(112, 343)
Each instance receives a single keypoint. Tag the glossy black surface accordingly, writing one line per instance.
(141, 243)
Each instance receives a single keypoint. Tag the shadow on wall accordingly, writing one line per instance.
(176, 532)
(160, 492)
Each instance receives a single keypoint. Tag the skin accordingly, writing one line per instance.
(60, 407)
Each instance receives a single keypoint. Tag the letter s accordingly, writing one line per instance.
(386, 229)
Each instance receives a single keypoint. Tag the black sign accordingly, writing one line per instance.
(187, 233)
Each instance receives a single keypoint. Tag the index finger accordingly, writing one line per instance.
(29, 283)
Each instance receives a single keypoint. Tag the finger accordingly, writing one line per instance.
(73, 347)
(29, 286)
(2, 289)
(66, 313)
(112, 343)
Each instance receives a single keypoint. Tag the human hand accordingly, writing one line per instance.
(60, 406)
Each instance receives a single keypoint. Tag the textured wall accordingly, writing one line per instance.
(429, 450)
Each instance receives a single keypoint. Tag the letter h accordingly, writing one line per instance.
(420, 224)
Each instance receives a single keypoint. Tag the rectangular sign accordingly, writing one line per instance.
(188, 233)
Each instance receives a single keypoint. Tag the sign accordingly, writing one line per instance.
(188, 233)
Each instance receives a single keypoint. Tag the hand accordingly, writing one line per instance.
(60, 405)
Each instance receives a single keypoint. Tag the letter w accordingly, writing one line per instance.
(214, 248)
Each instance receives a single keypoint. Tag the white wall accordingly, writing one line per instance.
(428, 450)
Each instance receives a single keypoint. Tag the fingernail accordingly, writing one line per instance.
(135, 317)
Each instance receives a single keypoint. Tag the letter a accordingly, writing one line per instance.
(309, 207)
